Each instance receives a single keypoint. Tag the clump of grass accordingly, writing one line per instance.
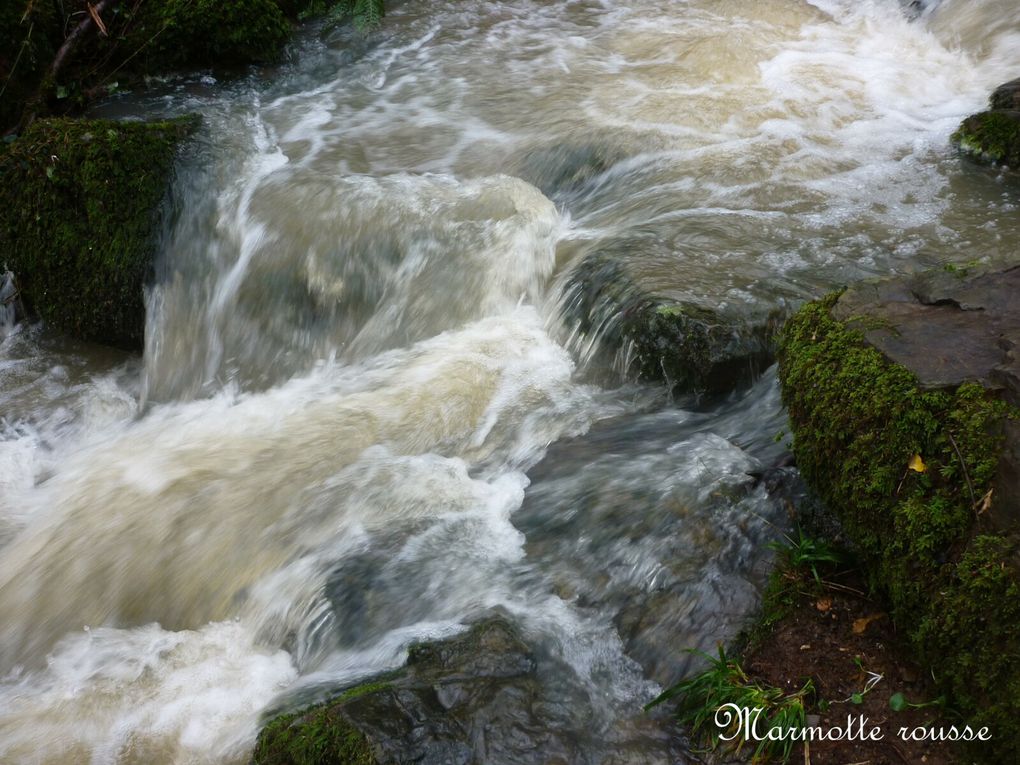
(806, 553)
(700, 697)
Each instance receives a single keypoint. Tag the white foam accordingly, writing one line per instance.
(141, 696)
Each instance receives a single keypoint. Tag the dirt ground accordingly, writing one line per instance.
(836, 636)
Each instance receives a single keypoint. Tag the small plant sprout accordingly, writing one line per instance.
(806, 553)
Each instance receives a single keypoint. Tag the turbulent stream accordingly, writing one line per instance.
(362, 418)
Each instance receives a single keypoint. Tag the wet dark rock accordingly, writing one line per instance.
(804, 509)
(1006, 96)
(479, 697)
(947, 327)
(682, 343)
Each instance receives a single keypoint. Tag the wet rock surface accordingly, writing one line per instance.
(1007, 96)
(479, 697)
(680, 342)
(946, 327)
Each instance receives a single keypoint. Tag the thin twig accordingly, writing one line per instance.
(970, 486)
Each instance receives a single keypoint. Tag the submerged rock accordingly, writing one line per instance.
(903, 399)
(563, 170)
(682, 343)
(81, 208)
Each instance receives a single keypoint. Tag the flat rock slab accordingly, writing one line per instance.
(946, 327)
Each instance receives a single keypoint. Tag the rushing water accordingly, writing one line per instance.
(360, 419)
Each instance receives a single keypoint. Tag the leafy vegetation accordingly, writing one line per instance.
(366, 14)
(804, 552)
(701, 699)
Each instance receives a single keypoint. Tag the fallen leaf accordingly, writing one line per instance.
(860, 625)
(917, 464)
(97, 20)
(823, 604)
(986, 502)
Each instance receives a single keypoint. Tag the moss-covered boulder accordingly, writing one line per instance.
(469, 698)
(905, 425)
(321, 735)
(682, 343)
(81, 209)
(992, 137)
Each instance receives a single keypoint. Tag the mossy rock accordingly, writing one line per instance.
(920, 526)
(321, 735)
(474, 697)
(991, 137)
(81, 205)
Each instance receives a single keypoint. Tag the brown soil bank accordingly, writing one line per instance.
(903, 399)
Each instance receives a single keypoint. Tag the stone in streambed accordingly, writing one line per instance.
(471, 698)
(1006, 96)
(485, 696)
(680, 342)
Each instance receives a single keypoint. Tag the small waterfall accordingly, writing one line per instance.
(364, 416)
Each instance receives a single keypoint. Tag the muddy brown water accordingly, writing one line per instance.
(360, 419)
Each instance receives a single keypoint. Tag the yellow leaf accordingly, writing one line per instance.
(860, 625)
(917, 464)
(985, 504)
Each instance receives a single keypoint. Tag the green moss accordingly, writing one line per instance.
(320, 735)
(991, 137)
(981, 600)
(858, 420)
(80, 206)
